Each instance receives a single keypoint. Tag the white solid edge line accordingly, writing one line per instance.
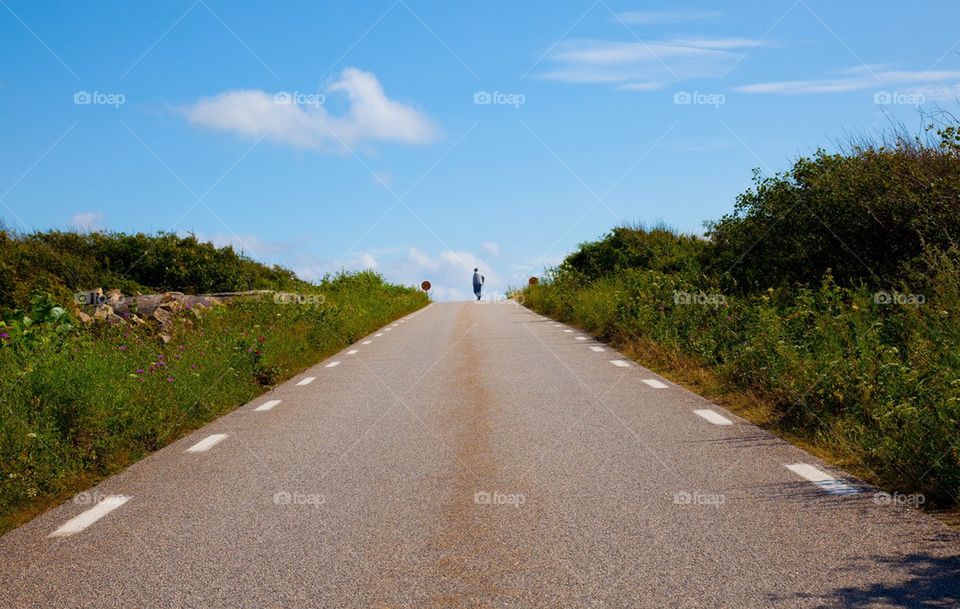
(822, 479)
(597, 349)
(655, 384)
(85, 519)
(267, 405)
(353, 352)
(619, 362)
(207, 443)
(331, 365)
(714, 417)
(306, 381)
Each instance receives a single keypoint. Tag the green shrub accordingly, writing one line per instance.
(782, 301)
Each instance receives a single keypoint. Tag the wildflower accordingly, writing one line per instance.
(169, 379)
(140, 371)
(4, 336)
(122, 348)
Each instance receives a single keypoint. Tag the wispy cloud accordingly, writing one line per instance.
(86, 221)
(489, 247)
(666, 16)
(645, 65)
(932, 84)
(302, 121)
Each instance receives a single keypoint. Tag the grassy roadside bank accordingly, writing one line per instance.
(79, 404)
(889, 418)
(824, 308)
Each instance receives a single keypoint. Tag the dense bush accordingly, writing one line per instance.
(794, 299)
(62, 263)
(867, 216)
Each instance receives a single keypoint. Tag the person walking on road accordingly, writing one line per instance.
(478, 280)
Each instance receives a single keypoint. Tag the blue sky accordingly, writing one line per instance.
(424, 138)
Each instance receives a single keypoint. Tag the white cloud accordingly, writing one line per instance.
(449, 271)
(371, 116)
(489, 247)
(675, 16)
(864, 77)
(86, 221)
(645, 65)
(367, 261)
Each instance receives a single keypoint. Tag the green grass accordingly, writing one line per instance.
(79, 403)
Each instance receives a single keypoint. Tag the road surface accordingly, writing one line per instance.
(479, 455)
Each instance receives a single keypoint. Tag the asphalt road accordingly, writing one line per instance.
(478, 455)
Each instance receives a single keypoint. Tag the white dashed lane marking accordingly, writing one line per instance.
(822, 479)
(330, 365)
(85, 519)
(267, 405)
(378, 335)
(306, 381)
(655, 383)
(597, 349)
(207, 443)
(352, 352)
(620, 363)
(366, 342)
(580, 337)
(714, 417)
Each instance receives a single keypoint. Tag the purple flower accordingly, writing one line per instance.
(4, 336)
(169, 379)
(140, 370)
